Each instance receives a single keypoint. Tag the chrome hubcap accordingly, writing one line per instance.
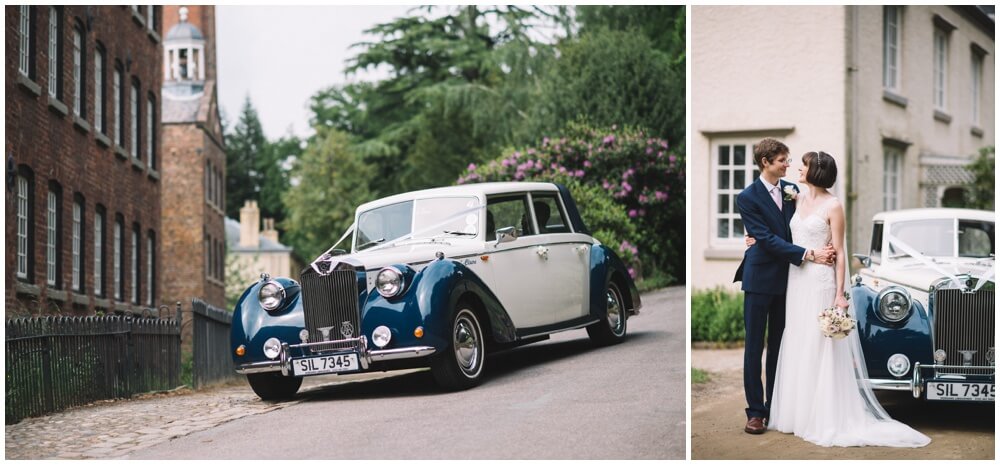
(615, 321)
(466, 343)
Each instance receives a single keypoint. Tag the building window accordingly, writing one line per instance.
(25, 224)
(892, 167)
(150, 130)
(99, 86)
(891, 35)
(134, 275)
(25, 55)
(78, 241)
(117, 245)
(52, 239)
(78, 72)
(208, 256)
(940, 68)
(151, 17)
(977, 86)
(134, 118)
(116, 94)
(733, 170)
(99, 250)
(150, 266)
(55, 49)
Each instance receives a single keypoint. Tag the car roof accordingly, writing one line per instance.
(465, 190)
(935, 213)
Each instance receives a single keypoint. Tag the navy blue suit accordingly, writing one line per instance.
(764, 273)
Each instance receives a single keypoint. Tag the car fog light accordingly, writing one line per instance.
(272, 347)
(940, 355)
(419, 332)
(241, 350)
(898, 365)
(381, 336)
(389, 282)
(304, 335)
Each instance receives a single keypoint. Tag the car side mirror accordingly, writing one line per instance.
(865, 260)
(508, 234)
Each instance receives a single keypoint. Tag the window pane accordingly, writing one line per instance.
(548, 214)
(723, 155)
(22, 227)
(739, 179)
(738, 228)
(53, 51)
(724, 179)
(98, 254)
(77, 218)
(739, 155)
(723, 203)
(77, 72)
(723, 228)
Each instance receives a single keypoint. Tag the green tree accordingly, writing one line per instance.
(274, 165)
(328, 182)
(983, 190)
(244, 148)
(663, 25)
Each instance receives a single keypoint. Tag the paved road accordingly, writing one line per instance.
(561, 398)
(957, 431)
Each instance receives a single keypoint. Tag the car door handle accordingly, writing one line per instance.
(581, 249)
(542, 252)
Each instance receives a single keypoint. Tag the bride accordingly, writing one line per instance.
(821, 393)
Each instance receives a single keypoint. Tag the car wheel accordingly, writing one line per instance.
(271, 386)
(461, 365)
(610, 330)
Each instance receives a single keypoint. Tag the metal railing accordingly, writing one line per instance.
(57, 362)
(212, 361)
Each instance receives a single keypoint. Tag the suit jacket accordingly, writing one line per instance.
(764, 269)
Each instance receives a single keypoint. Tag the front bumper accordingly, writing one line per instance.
(917, 382)
(310, 349)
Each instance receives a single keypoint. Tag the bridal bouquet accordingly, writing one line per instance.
(835, 322)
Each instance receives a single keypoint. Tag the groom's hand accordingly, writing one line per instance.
(827, 255)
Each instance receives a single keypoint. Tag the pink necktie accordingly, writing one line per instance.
(776, 196)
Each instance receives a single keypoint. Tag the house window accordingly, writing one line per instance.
(55, 39)
(891, 37)
(733, 169)
(24, 43)
(116, 94)
(99, 85)
(25, 224)
(134, 118)
(117, 258)
(150, 266)
(78, 242)
(892, 166)
(78, 77)
(52, 239)
(134, 275)
(940, 68)
(99, 250)
(150, 17)
(150, 118)
(977, 86)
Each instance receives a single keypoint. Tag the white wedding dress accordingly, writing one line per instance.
(821, 393)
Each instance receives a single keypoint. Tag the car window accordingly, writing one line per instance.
(876, 252)
(548, 212)
(435, 216)
(933, 237)
(975, 239)
(507, 211)
(384, 224)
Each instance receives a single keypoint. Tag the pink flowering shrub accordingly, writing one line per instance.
(637, 171)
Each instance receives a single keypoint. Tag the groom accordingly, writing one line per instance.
(766, 210)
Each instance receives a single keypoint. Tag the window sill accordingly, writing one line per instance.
(81, 124)
(28, 84)
(120, 152)
(942, 116)
(58, 106)
(137, 164)
(103, 140)
(54, 294)
(153, 174)
(897, 99)
(103, 304)
(122, 307)
(153, 36)
(80, 299)
(27, 289)
(724, 254)
(976, 131)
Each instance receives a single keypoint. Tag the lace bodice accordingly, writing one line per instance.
(812, 232)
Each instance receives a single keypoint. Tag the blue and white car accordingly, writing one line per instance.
(436, 278)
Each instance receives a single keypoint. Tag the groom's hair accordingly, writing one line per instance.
(822, 169)
(768, 148)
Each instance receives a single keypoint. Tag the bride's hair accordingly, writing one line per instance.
(822, 169)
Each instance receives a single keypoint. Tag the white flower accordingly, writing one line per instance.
(790, 192)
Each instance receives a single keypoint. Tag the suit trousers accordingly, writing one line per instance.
(763, 314)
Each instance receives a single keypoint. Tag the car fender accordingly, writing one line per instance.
(880, 340)
(252, 325)
(605, 263)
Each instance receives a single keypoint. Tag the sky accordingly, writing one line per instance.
(281, 56)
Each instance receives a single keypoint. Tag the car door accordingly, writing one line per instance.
(567, 264)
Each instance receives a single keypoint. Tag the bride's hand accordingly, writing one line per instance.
(749, 240)
(841, 302)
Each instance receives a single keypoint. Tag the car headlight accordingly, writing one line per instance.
(894, 304)
(272, 348)
(389, 282)
(898, 365)
(271, 294)
(381, 336)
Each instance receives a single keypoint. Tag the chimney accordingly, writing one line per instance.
(250, 225)
(269, 232)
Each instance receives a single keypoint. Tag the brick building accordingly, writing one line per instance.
(83, 184)
(194, 163)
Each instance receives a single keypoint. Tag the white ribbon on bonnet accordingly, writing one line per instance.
(911, 251)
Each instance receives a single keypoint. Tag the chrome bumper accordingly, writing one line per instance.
(916, 382)
(360, 346)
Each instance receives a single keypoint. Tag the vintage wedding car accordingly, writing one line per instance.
(925, 303)
(436, 278)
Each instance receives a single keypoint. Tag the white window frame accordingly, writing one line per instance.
(24, 31)
(891, 46)
(51, 239)
(53, 52)
(977, 87)
(77, 71)
(116, 90)
(892, 170)
(940, 69)
(117, 247)
(748, 170)
(22, 227)
(149, 17)
(98, 253)
(77, 245)
(150, 118)
(149, 270)
(134, 282)
(99, 90)
(134, 118)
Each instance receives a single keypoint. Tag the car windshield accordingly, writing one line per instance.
(945, 237)
(422, 218)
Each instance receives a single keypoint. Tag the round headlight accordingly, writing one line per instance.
(271, 295)
(272, 347)
(898, 365)
(940, 356)
(381, 336)
(389, 282)
(894, 304)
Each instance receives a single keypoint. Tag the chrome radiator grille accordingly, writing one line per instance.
(965, 323)
(330, 304)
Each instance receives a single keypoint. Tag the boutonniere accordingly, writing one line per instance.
(790, 193)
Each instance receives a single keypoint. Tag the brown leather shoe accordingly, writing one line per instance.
(755, 425)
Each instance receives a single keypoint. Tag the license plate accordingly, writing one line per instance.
(961, 391)
(325, 364)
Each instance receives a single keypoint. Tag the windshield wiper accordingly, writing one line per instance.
(459, 233)
(366, 244)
